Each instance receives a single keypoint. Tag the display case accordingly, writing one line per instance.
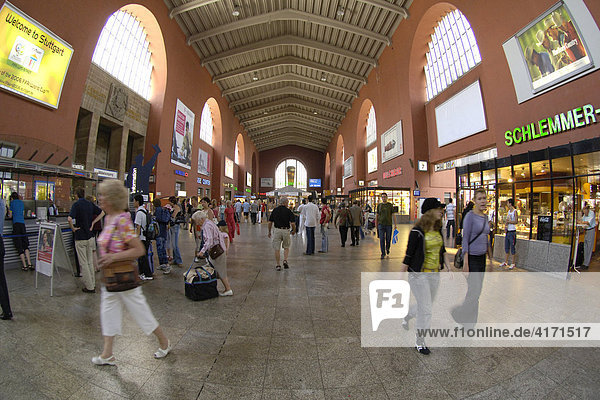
(400, 198)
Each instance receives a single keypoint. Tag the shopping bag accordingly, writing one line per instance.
(237, 226)
(395, 236)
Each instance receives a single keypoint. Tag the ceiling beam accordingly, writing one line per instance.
(287, 90)
(289, 40)
(291, 110)
(286, 140)
(293, 101)
(283, 132)
(292, 126)
(387, 6)
(289, 118)
(190, 6)
(289, 15)
(320, 149)
(289, 77)
(289, 60)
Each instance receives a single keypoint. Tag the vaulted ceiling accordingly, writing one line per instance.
(290, 69)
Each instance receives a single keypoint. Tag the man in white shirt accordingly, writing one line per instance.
(140, 226)
(301, 223)
(311, 215)
(588, 220)
(450, 219)
(510, 240)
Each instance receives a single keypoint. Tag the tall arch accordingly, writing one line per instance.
(240, 151)
(361, 139)
(339, 163)
(217, 144)
(254, 172)
(327, 174)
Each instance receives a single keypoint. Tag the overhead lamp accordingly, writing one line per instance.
(510, 180)
(236, 10)
(323, 77)
(255, 77)
(315, 113)
(523, 172)
(340, 11)
(266, 113)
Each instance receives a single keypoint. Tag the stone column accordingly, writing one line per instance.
(117, 153)
(88, 126)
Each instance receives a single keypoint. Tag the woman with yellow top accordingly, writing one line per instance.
(425, 254)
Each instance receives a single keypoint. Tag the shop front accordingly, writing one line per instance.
(399, 197)
(550, 187)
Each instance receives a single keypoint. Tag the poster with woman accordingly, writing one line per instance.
(181, 149)
(203, 162)
(45, 248)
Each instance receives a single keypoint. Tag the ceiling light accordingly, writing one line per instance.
(510, 180)
(323, 77)
(340, 11)
(236, 11)
(315, 113)
(255, 77)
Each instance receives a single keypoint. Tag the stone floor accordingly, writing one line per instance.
(292, 334)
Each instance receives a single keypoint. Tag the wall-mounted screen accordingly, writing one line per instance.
(33, 60)
(314, 183)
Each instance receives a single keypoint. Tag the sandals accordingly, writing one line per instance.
(31, 267)
(162, 353)
(24, 268)
(98, 360)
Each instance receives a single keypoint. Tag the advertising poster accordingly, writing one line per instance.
(248, 179)
(372, 160)
(181, 150)
(45, 249)
(348, 167)
(228, 167)
(266, 182)
(391, 143)
(553, 48)
(33, 60)
(203, 162)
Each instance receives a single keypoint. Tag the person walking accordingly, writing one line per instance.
(324, 222)
(238, 210)
(141, 222)
(301, 217)
(176, 220)
(222, 207)
(246, 210)
(311, 217)
(343, 220)
(163, 216)
(588, 220)
(425, 257)
(475, 247)
(283, 219)
(19, 232)
(117, 243)
(510, 240)
(357, 221)
(383, 221)
(4, 298)
(450, 219)
(80, 220)
(230, 220)
(253, 212)
(212, 237)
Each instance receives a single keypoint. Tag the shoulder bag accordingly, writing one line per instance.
(121, 275)
(459, 258)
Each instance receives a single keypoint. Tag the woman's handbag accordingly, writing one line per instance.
(216, 251)
(121, 275)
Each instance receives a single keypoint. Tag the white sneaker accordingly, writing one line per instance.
(146, 278)
(103, 361)
(162, 353)
(512, 266)
(227, 293)
(503, 265)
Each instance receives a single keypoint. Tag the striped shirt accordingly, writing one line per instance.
(450, 211)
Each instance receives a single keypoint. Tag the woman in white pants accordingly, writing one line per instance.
(116, 243)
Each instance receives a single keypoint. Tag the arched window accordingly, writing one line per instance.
(290, 173)
(371, 127)
(452, 52)
(123, 51)
(206, 125)
(237, 153)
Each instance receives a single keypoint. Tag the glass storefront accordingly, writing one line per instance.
(398, 197)
(553, 182)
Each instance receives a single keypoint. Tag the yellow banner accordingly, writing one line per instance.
(33, 60)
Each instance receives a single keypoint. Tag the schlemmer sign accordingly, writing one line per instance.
(33, 60)
(565, 121)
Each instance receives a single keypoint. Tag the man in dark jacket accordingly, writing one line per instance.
(357, 221)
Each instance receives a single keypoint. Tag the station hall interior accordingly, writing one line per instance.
(254, 101)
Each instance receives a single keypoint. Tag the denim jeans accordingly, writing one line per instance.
(310, 240)
(450, 223)
(385, 238)
(175, 244)
(424, 286)
(324, 239)
(162, 250)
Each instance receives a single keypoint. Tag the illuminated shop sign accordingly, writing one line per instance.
(181, 173)
(392, 172)
(563, 122)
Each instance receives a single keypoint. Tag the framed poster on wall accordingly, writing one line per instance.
(266, 182)
(228, 167)
(248, 179)
(348, 167)
(203, 162)
(372, 160)
(391, 143)
(181, 148)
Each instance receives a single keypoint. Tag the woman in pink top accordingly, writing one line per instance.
(213, 236)
(230, 219)
(118, 242)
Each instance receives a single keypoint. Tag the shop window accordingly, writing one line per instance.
(475, 179)
(206, 125)
(540, 170)
(504, 193)
(586, 164)
(561, 167)
(562, 212)
(505, 175)
(523, 199)
(522, 172)
(452, 52)
(123, 51)
(463, 181)
(540, 203)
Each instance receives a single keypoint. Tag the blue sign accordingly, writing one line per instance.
(314, 183)
(181, 173)
(206, 181)
(416, 192)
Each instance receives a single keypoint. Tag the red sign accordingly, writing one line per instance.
(392, 172)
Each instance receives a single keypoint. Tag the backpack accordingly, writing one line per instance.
(152, 229)
(162, 215)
